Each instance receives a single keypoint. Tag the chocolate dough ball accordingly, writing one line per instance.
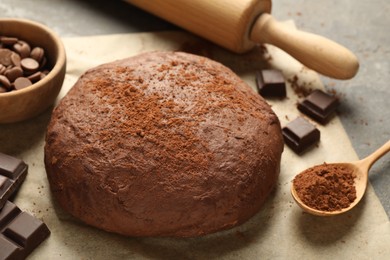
(162, 144)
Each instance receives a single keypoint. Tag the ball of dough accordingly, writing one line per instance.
(162, 144)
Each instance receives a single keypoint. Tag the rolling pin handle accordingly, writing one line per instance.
(314, 51)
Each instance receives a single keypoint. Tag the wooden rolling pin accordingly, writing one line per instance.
(239, 25)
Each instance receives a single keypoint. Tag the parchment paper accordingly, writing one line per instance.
(279, 231)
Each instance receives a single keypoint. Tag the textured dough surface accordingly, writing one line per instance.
(162, 144)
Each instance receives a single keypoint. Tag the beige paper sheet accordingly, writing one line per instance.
(279, 231)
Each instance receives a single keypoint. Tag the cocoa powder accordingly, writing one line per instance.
(326, 187)
(301, 89)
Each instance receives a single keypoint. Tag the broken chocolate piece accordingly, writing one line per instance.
(299, 135)
(20, 232)
(13, 171)
(271, 83)
(319, 105)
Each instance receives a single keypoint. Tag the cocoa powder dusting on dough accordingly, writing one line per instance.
(326, 187)
(150, 110)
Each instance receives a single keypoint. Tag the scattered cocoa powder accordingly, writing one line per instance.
(326, 187)
(301, 89)
(335, 93)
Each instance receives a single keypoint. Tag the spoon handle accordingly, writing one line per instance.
(369, 160)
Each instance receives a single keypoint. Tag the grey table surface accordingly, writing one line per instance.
(363, 26)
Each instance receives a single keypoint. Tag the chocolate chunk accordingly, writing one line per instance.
(13, 171)
(20, 232)
(319, 105)
(300, 134)
(271, 83)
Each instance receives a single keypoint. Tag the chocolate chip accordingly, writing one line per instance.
(2, 69)
(22, 48)
(9, 40)
(37, 54)
(13, 73)
(43, 75)
(35, 77)
(4, 82)
(300, 134)
(21, 83)
(5, 57)
(15, 59)
(29, 65)
(43, 63)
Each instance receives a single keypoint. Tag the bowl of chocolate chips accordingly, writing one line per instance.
(32, 69)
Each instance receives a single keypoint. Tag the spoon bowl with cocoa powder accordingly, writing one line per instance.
(332, 189)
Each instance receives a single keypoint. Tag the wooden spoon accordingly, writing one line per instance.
(360, 169)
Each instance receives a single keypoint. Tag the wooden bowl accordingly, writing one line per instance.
(26, 103)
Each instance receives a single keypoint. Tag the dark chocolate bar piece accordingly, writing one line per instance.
(13, 172)
(271, 83)
(20, 232)
(300, 134)
(319, 105)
